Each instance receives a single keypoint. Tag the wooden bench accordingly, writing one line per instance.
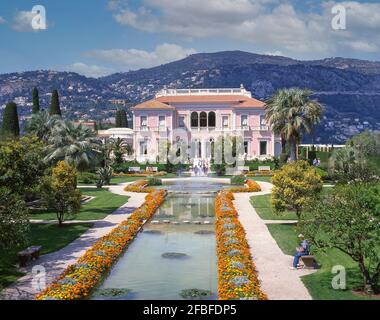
(308, 262)
(27, 255)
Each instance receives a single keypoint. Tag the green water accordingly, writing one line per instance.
(147, 274)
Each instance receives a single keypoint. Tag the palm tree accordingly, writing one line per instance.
(41, 124)
(76, 144)
(128, 149)
(291, 113)
(118, 146)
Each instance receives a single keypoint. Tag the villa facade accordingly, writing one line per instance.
(200, 116)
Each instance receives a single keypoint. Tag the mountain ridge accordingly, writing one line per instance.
(350, 88)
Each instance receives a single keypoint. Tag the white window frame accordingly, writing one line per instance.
(184, 121)
(160, 126)
(146, 147)
(228, 121)
(143, 126)
(267, 147)
(248, 142)
(241, 121)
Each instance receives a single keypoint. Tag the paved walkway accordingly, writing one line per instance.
(277, 280)
(56, 262)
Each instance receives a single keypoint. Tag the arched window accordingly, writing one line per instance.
(211, 119)
(203, 120)
(194, 120)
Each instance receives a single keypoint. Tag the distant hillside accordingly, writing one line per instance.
(349, 88)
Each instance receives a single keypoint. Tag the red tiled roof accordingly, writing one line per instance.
(166, 101)
(152, 104)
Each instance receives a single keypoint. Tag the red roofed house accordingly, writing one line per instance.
(200, 116)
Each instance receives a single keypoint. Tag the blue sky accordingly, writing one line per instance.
(98, 37)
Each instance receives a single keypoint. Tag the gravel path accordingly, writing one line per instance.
(56, 262)
(277, 280)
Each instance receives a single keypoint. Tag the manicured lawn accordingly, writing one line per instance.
(319, 283)
(264, 209)
(104, 204)
(50, 237)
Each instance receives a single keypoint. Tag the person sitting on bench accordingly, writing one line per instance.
(302, 250)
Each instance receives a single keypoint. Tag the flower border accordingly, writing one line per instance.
(79, 279)
(250, 186)
(237, 275)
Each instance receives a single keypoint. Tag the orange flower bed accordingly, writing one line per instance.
(259, 173)
(237, 276)
(250, 186)
(78, 280)
(139, 186)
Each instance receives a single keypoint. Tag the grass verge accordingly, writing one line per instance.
(105, 203)
(49, 236)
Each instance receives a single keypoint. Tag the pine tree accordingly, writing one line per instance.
(54, 105)
(10, 124)
(36, 101)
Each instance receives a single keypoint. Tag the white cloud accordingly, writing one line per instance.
(132, 59)
(93, 71)
(269, 24)
(363, 46)
(2, 20)
(22, 21)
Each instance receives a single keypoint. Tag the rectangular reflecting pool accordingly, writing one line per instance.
(176, 251)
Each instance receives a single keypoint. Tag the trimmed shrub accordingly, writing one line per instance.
(238, 180)
(154, 182)
(87, 178)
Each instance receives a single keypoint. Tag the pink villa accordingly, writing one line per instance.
(202, 115)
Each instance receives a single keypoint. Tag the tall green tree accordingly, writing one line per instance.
(21, 164)
(36, 101)
(121, 119)
(291, 113)
(294, 187)
(55, 108)
(10, 126)
(60, 192)
(14, 223)
(348, 219)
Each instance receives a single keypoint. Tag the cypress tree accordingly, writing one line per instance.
(54, 104)
(121, 119)
(118, 119)
(10, 124)
(124, 121)
(36, 101)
